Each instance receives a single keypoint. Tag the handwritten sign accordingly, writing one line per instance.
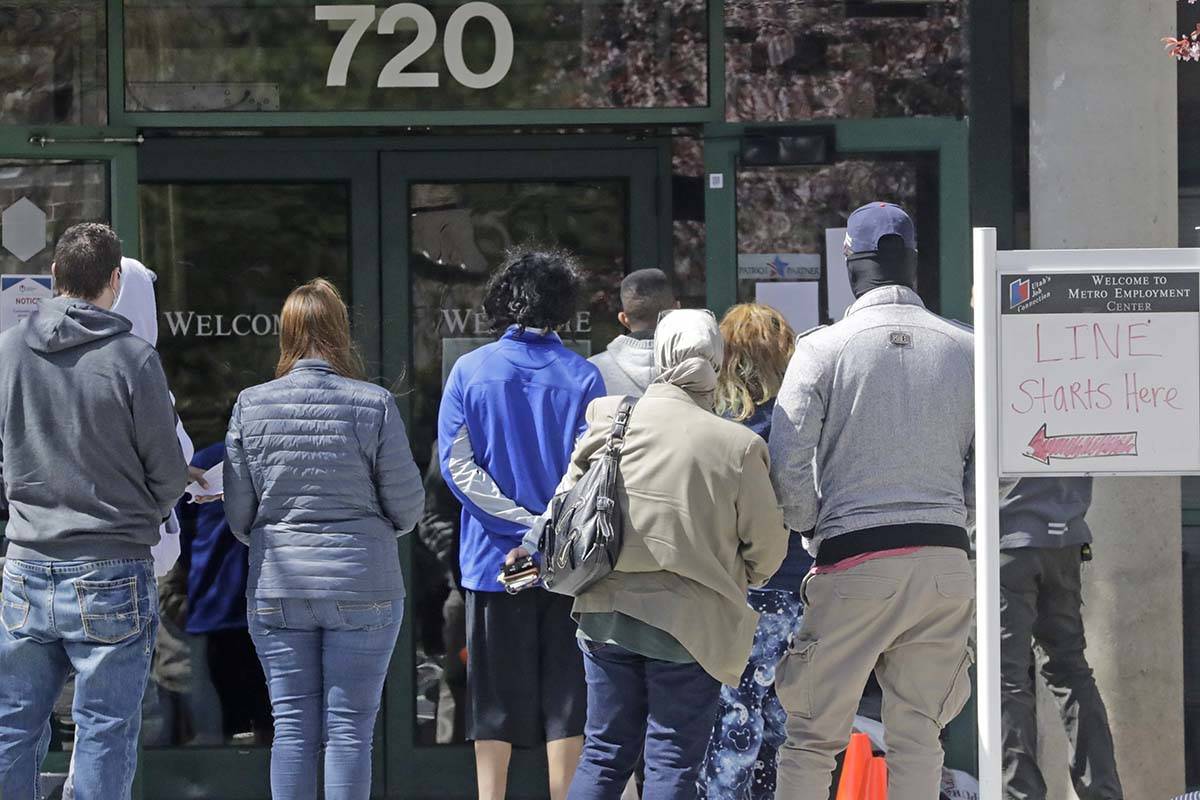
(20, 296)
(1099, 372)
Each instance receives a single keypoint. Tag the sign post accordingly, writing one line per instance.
(1087, 362)
(987, 517)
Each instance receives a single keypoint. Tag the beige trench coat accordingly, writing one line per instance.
(702, 524)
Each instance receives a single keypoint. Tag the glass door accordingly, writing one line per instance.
(448, 219)
(410, 234)
(230, 232)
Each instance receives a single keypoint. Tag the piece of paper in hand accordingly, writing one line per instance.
(215, 478)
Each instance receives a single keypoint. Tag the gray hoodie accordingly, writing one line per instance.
(89, 462)
(627, 366)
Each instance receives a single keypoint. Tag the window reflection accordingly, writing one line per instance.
(844, 59)
(227, 255)
(39, 200)
(52, 62)
(459, 233)
(248, 55)
(789, 210)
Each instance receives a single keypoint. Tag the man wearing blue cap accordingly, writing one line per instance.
(871, 456)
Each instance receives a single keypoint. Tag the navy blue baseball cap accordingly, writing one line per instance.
(872, 222)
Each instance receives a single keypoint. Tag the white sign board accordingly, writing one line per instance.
(798, 302)
(1099, 372)
(20, 296)
(1086, 362)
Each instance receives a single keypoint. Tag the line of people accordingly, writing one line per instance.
(796, 513)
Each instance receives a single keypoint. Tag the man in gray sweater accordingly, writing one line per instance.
(871, 456)
(1044, 540)
(627, 366)
(89, 468)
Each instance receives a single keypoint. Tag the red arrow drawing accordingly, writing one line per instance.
(1080, 445)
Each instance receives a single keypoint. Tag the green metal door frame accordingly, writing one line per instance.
(379, 171)
(63, 143)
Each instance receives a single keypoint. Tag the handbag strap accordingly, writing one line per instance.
(616, 436)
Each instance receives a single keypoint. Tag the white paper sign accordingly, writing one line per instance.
(837, 277)
(798, 301)
(20, 296)
(1099, 372)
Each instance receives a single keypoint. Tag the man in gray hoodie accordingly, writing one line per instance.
(89, 468)
(627, 366)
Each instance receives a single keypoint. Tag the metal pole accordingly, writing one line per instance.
(987, 514)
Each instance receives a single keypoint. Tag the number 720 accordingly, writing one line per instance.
(393, 75)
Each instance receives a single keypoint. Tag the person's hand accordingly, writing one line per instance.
(515, 555)
(197, 476)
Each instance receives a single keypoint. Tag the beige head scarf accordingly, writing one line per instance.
(688, 351)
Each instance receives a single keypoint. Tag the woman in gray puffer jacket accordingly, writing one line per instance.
(319, 482)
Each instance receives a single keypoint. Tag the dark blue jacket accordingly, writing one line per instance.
(798, 562)
(509, 418)
(216, 562)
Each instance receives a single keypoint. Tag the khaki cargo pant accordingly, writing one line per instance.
(904, 617)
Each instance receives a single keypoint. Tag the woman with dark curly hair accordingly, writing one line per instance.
(509, 418)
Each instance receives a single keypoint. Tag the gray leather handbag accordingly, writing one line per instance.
(581, 536)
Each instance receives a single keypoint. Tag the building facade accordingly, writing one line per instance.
(242, 147)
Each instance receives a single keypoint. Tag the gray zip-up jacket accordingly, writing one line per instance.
(874, 425)
(319, 482)
(1046, 512)
(89, 462)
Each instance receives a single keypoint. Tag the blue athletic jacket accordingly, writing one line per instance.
(510, 415)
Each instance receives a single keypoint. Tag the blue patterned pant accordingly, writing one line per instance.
(751, 723)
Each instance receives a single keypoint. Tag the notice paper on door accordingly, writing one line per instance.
(837, 277)
(798, 301)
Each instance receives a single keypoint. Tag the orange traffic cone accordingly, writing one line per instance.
(877, 780)
(853, 785)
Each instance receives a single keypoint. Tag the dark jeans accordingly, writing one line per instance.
(1040, 604)
(634, 701)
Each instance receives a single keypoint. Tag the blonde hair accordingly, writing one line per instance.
(316, 323)
(758, 345)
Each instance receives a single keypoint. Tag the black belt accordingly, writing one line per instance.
(891, 537)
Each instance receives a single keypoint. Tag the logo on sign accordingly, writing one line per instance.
(1018, 292)
(778, 266)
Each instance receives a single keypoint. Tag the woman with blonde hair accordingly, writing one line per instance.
(751, 724)
(320, 482)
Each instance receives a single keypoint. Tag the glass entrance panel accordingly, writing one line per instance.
(458, 234)
(39, 200)
(282, 55)
(226, 255)
(789, 248)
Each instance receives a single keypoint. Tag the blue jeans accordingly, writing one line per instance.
(634, 701)
(98, 618)
(325, 662)
(751, 724)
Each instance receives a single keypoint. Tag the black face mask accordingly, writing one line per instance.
(871, 270)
